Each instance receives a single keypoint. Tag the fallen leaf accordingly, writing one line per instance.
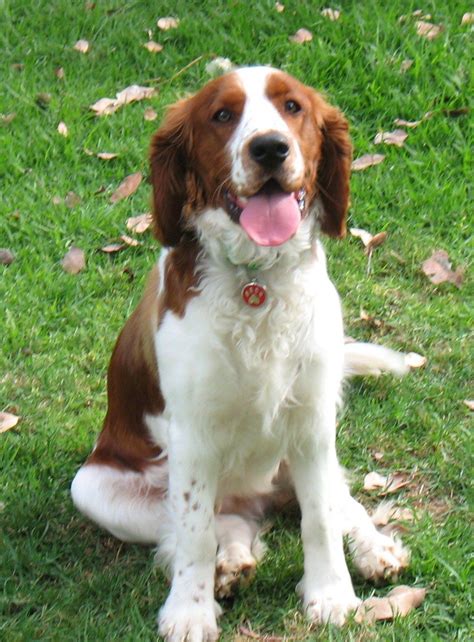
(59, 73)
(427, 29)
(111, 248)
(399, 602)
(397, 137)
(332, 14)
(279, 7)
(407, 123)
(469, 403)
(375, 241)
(140, 223)
(390, 484)
(467, 19)
(419, 13)
(129, 241)
(370, 320)
(17, 66)
(302, 35)
(167, 23)
(438, 269)
(74, 260)
(106, 155)
(7, 118)
(415, 360)
(378, 456)
(361, 234)
(367, 160)
(6, 256)
(219, 66)
(457, 111)
(153, 47)
(63, 130)
(72, 200)
(406, 64)
(387, 512)
(57, 200)
(374, 480)
(82, 45)
(127, 187)
(248, 633)
(43, 99)
(8, 421)
(150, 114)
(106, 106)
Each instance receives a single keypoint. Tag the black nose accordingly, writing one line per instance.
(269, 150)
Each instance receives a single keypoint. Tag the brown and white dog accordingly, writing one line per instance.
(232, 363)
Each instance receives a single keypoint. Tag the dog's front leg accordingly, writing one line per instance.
(190, 610)
(326, 586)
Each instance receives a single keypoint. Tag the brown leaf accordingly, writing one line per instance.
(72, 200)
(7, 118)
(153, 47)
(469, 403)
(361, 234)
(396, 137)
(375, 241)
(8, 421)
(111, 248)
(150, 114)
(415, 360)
(332, 14)
(57, 200)
(406, 64)
(279, 7)
(467, 19)
(43, 99)
(427, 29)
(129, 241)
(6, 256)
(386, 512)
(127, 187)
(82, 46)
(374, 480)
(390, 484)
(367, 160)
(74, 260)
(140, 223)
(59, 73)
(457, 111)
(167, 23)
(302, 35)
(106, 155)
(407, 123)
(106, 106)
(399, 602)
(438, 269)
(62, 129)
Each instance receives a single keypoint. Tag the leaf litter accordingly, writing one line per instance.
(8, 421)
(398, 602)
(127, 187)
(438, 269)
(428, 30)
(153, 47)
(387, 484)
(367, 160)
(133, 93)
(82, 46)
(396, 137)
(139, 224)
(74, 260)
(167, 23)
(301, 36)
(6, 256)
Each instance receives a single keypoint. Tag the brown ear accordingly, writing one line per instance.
(334, 172)
(169, 162)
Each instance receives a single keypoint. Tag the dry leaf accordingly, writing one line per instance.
(367, 160)
(106, 155)
(399, 602)
(82, 45)
(302, 35)
(167, 23)
(467, 19)
(407, 123)
(397, 137)
(406, 64)
(264, 637)
(43, 99)
(59, 73)
(374, 480)
(129, 241)
(415, 360)
(74, 260)
(106, 106)
(279, 7)
(62, 129)
(361, 234)
(153, 47)
(427, 29)
(375, 241)
(72, 200)
(455, 112)
(150, 114)
(438, 269)
(127, 187)
(140, 223)
(389, 484)
(7, 118)
(7, 421)
(469, 403)
(219, 66)
(6, 256)
(111, 248)
(387, 512)
(332, 14)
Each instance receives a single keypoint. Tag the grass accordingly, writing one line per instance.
(62, 579)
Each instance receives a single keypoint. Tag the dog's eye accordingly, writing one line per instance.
(292, 107)
(222, 116)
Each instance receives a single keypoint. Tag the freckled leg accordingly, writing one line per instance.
(190, 612)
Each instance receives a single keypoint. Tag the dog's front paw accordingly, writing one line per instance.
(380, 558)
(331, 604)
(180, 621)
(235, 567)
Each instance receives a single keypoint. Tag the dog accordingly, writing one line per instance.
(224, 383)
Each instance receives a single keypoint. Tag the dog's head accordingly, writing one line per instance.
(255, 146)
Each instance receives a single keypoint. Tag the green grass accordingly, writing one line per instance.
(62, 579)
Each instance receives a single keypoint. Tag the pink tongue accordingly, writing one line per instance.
(271, 219)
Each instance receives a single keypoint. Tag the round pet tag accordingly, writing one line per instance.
(254, 294)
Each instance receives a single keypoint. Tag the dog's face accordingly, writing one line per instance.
(257, 146)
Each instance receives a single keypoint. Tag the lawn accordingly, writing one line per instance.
(63, 579)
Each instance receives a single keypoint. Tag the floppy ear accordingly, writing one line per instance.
(334, 171)
(169, 163)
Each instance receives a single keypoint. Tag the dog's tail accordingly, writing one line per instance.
(372, 359)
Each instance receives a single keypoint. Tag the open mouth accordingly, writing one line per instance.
(271, 216)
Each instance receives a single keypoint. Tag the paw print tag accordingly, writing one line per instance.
(254, 294)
